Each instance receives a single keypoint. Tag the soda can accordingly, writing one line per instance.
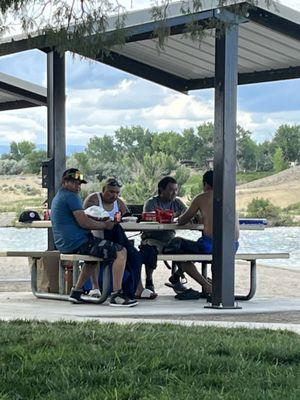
(117, 217)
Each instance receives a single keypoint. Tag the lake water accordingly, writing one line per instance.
(269, 240)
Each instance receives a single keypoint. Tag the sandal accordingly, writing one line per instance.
(146, 294)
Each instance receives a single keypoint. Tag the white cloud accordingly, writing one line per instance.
(100, 99)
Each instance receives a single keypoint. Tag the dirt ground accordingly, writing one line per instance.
(281, 189)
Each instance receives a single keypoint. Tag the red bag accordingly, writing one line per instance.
(149, 216)
(164, 216)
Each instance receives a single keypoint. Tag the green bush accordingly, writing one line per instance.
(263, 208)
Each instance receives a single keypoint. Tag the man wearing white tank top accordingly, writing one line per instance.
(108, 199)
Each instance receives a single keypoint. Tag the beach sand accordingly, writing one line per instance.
(271, 282)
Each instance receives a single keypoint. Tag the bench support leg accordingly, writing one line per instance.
(252, 290)
(42, 295)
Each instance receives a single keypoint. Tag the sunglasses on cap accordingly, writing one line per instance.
(76, 175)
(113, 182)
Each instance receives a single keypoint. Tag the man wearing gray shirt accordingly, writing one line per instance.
(166, 200)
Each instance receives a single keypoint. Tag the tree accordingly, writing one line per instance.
(206, 134)
(246, 150)
(21, 150)
(145, 176)
(264, 157)
(135, 141)
(34, 161)
(279, 163)
(288, 139)
(168, 142)
(103, 149)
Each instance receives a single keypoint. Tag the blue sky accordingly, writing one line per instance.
(100, 99)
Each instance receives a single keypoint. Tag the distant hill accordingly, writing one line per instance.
(71, 148)
(281, 189)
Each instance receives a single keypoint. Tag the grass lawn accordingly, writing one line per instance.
(144, 362)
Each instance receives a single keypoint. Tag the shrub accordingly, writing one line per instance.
(263, 208)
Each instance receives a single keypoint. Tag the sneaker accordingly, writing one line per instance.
(175, 284)
(75, 296)
(119, 299)
(94, 293)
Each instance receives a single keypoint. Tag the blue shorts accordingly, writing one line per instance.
(205, 244)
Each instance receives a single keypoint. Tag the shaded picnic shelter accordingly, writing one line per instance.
(261, 46)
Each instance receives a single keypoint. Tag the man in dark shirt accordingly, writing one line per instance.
(167, 200)
(71, 230)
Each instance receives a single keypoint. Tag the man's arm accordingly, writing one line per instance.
(122, 207)
(190, 213)
(90, 200)
(88, 223)
(149, 206)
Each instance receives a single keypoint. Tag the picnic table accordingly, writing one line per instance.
(245, 224)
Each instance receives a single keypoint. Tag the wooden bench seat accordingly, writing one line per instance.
(204, 259)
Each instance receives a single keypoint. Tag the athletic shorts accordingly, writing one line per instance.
(101, 248)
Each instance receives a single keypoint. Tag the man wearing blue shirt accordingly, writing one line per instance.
(72, 234)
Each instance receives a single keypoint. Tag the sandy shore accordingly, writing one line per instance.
(271, 282)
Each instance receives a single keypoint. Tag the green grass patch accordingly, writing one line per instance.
(16, 205)
(293, 208)
(245, 177)
(146, 362)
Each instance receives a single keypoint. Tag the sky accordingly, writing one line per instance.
(100, 99)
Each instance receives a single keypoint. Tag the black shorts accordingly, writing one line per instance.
(101, 248)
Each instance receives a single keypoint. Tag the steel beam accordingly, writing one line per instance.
(144, 71)
(226, 59)
(56, 144)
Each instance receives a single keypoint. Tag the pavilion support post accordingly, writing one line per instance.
(56, 145)
(226, 58)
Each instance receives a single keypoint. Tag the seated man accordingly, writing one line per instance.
(202, 203)
(109, 199)
(110, 202)
(71, 230)
(167, 200)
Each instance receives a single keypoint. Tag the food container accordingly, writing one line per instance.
(149, 216)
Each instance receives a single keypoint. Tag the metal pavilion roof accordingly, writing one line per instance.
(268, 46)
(16, 93)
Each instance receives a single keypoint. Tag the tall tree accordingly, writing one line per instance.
(135, 141)
(103, 149)
(246, 150)
(279, 162)
(21, 149)
(287, 137)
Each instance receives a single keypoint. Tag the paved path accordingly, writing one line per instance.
(164, 309)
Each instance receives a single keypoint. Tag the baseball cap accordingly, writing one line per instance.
(29, 216)
(73, 174)
(112, 182)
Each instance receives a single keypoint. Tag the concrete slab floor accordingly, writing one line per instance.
(257, 313)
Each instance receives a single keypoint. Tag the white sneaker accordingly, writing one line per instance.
(94, 293)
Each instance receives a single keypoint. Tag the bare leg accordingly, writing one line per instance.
(95, 276)
(88, 271)
(193, 272)
(118, 268)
